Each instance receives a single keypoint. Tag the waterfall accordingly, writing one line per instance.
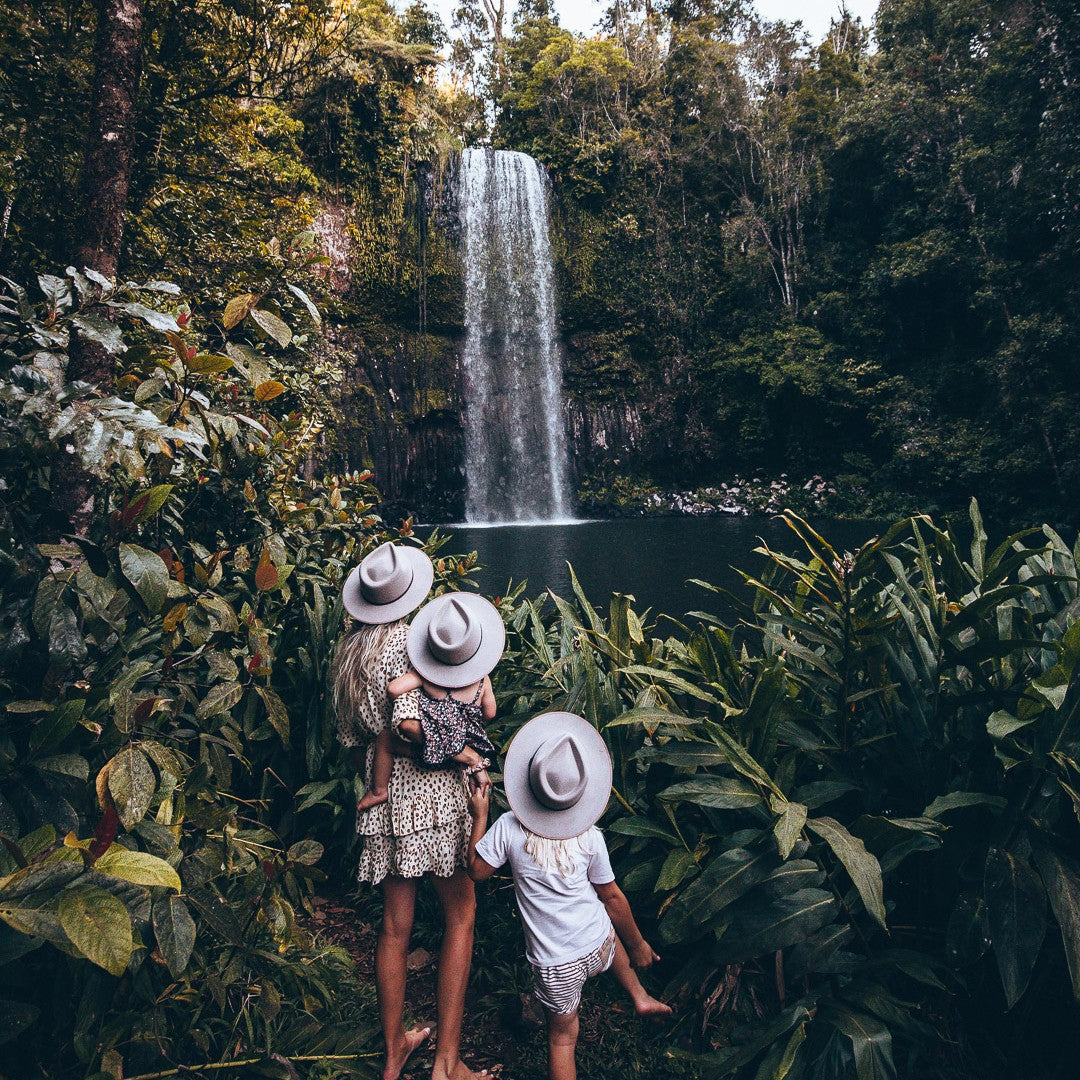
(515, 439)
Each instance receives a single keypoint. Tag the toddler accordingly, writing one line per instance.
(453, 644)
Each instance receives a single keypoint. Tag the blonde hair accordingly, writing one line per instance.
(557, 855)
(355, 659)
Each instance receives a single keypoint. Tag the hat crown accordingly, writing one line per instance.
(453, 634)
(384, 577)
(557, 773)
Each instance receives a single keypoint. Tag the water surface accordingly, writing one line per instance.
(651, 558)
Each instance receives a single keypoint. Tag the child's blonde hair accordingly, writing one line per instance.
(558, 855)
(354, 665)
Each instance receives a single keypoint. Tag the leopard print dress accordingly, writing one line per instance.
(424, 826)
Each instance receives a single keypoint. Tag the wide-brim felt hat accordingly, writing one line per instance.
(456, 639)
(557, 775)
(391, 582)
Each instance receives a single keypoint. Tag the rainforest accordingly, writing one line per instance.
(251, 254)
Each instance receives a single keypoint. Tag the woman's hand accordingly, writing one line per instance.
(480, 781)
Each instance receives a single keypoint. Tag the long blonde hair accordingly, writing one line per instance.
(355, 658)
(558, 855)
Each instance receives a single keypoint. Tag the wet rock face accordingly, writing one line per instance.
(603, 433)
(404, 420)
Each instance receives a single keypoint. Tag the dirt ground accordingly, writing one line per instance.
(503, 1025)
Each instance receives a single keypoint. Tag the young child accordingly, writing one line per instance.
(557, 778)
(454, 642)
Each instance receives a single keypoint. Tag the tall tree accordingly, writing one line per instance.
(106, 170)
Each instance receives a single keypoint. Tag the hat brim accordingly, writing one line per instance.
(483, 661)
(587, 811)
(376, 614)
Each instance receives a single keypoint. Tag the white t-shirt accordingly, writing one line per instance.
(564, 918)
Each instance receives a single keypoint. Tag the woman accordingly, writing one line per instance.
(422, 829)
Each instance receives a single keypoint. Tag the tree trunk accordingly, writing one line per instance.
(106, 171)
(102, 203)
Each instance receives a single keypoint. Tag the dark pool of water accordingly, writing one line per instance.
(651, 558)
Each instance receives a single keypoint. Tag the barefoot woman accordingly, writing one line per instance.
(421, 830)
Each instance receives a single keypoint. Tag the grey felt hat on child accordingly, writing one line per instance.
(557, 775)
(456, 639)
(390, 582)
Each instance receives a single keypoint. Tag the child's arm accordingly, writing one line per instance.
(475, 866)
(403, 684)
(487, 700)
(614, 900)
(477, 869)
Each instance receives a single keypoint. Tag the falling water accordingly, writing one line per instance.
(515, 452)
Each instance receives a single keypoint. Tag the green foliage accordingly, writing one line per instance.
(164, 689)
(844, 810)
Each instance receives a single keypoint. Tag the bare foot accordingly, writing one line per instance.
(372, 798)
(395, 1060)
(650, 1009)
(460, 1071)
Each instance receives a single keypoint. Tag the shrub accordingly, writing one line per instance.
(850, 809)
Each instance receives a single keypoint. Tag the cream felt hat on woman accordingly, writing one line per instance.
(456, 640)
(557, 775)
(389, 583)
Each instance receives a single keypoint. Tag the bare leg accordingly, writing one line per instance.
(458, 899)
(399, 902)
(380, 773)
(562, 1042)
(644, 1003)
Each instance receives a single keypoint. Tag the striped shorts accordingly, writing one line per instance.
(559, 988)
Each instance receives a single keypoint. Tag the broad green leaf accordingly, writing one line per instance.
(727, 1061)
(677, 866)
(789, 824)
(174, 929)
(862, 867)
(99, 927)
(270, 324)
(158, 320)
(813, 953)
(957, 800)
(741, 759)
(131, 784)
(137, 867)
(276, 712)
(819, 792)
(871, 1041)
(778, 1063)
(220, 699)
(651, 718)
(723, 881)
(642, 826)
(306, 300)
(782, 922)
(97, 328)
(307, 852)
(209, 364)
(718, 792)
(1016, 917)
(1062, 881)
(147, 573)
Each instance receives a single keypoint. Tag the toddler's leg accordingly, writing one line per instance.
(644, 1003)
(380, 773)
(411, 730)
(562, 1041)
